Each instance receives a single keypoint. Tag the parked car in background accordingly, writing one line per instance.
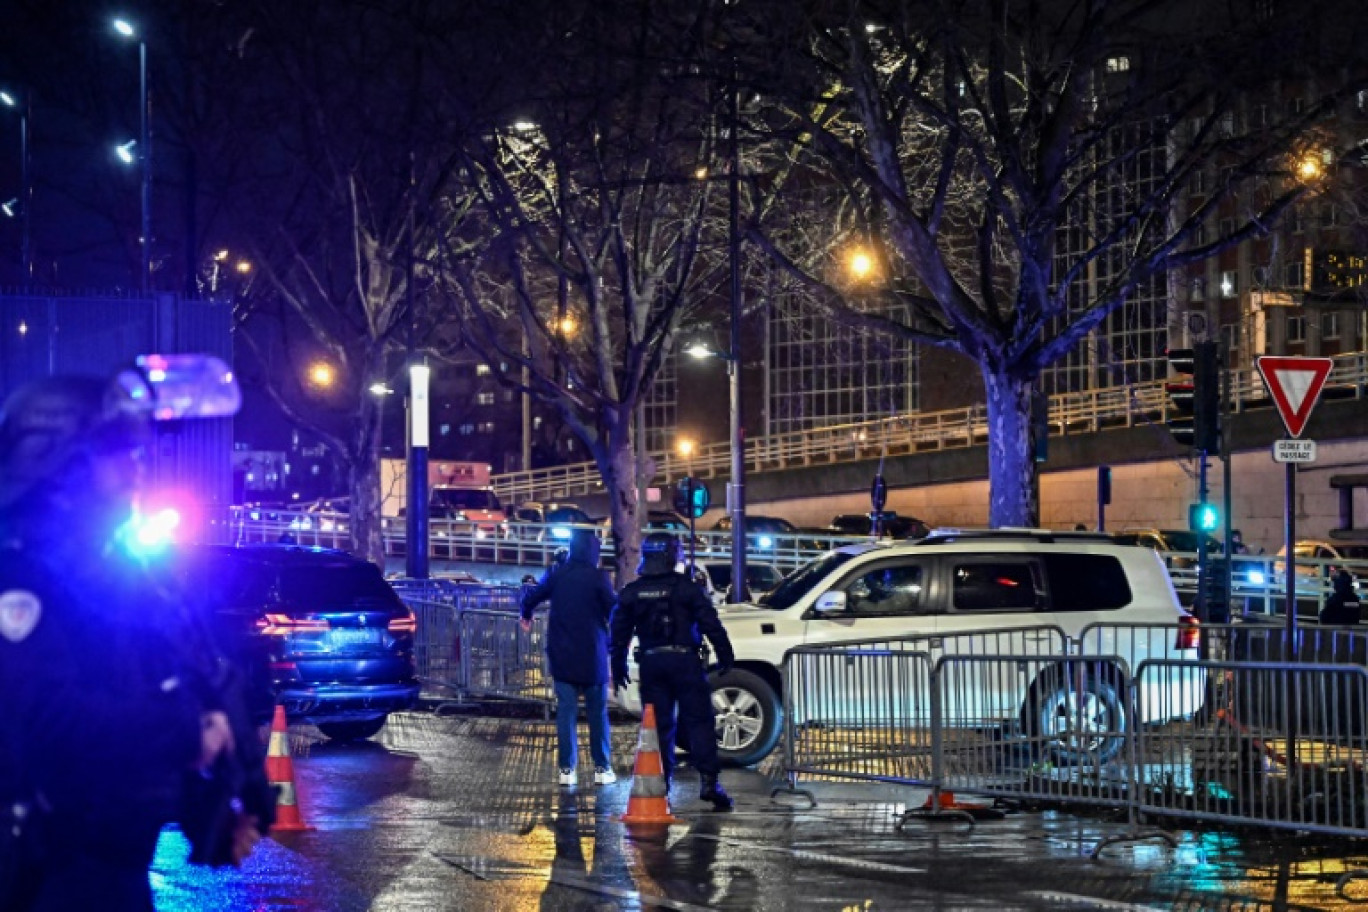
(536, 521)
(765, 533)
(318, 631)
(891, 525)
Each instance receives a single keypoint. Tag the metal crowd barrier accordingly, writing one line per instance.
(1280, 741)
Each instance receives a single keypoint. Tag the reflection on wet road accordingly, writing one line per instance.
(462, 812)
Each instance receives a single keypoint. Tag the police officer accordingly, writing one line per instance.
(668, 614)
(105, 716)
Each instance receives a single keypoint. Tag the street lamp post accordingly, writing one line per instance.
(25, 182)
(126, 29)
(736, 488)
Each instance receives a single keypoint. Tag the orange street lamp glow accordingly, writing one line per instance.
(1309, 168)
(321, 374)
(861, 264)
(686, 448)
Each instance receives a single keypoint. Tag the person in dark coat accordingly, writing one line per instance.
(669, 615)
(577, 646)
(1342, 607)
(106, 714)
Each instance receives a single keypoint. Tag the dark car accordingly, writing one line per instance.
(891, 525)
(318, 631)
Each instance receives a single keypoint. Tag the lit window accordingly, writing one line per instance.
(444, 429)
(467, 430)
(1118, 64)
(537, 423)
(485, 398)
(1330, 325)
(481, 370)
(1198, 292)
(486, 427)
(1296, 329)
(1228, 286)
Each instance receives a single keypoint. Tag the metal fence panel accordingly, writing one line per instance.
(1281, 745)
(500, 659)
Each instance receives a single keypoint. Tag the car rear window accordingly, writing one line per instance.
(465, 499)
(1086, 582)
(333, 584)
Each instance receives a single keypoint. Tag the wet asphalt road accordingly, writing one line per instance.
(462, 812)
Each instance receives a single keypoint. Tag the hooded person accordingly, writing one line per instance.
(105, 717)
(1342, 607)
(668, 614)
(577, 650)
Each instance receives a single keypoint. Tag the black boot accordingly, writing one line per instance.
(713, 791)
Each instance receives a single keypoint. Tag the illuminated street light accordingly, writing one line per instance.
(144, 147)
(685, 447)
(9, 207)
(1309, 168)
(125, 151)
(860, 264)
(380, 389)
(321, 374)
(23, 204)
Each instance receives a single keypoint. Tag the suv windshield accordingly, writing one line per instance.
(465, 499)
(567, 515)
(800, 582)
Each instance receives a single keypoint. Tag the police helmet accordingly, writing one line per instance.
(659, 553)
(47, 424)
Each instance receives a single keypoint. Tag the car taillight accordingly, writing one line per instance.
(284, 625)
(406, 624)
(1189, 634)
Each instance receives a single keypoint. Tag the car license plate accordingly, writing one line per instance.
(354, 636)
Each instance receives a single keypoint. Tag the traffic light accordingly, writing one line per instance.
(1196, 418)
(1203, 517)
(691, 498)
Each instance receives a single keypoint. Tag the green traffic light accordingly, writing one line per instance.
(1203, 517)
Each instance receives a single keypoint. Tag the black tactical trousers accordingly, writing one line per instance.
(673, 679)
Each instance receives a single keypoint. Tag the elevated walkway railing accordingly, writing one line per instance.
(1083, 412)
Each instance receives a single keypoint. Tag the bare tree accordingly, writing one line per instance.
(592, 239)
(346, 164)
(995, 152)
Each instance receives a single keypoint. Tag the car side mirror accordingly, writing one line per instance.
(830, 603)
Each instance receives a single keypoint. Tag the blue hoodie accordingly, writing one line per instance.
(582, 603)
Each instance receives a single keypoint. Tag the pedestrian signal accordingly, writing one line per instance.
(691, 498)
(1204, 517)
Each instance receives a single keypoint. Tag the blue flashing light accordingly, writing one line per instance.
(765, 541)
(1256, 577)
(560, 533)
(146, 535)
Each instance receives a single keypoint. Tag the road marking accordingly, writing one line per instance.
(1093, 901)
(807, 855)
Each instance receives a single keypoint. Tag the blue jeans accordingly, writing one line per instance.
(567, 715)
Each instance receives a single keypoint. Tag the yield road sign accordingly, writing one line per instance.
(1294, 451)
(1295, 384)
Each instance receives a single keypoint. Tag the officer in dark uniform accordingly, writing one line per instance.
(107, 715)
(668, 614)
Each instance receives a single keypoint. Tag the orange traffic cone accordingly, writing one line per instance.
(649, 803)
(947, 802)
(280, 772)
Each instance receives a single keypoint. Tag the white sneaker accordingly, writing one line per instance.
(566, 777)
(604, 776)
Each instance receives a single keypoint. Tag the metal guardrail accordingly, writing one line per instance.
(1070, 413)
(1281, 742)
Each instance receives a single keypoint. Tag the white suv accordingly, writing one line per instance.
(952, 584)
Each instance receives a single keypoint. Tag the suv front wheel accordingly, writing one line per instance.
(352, 731)
(747, 715)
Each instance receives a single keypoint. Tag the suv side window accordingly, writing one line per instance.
(889, 589)
(1086, 582)
(995, 585)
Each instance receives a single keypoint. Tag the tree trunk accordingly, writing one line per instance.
(1012, 497)
(363, 479)
(619, 466)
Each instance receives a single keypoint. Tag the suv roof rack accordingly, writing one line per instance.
(1012, 533)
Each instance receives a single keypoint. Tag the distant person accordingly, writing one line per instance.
(577, 647)
(1342, 607)
(1237, 543)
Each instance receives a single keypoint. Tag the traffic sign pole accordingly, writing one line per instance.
(1295, 384)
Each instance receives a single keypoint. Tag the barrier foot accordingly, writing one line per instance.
(1345, 879)
(938, 815)
(792, 790)
(1138, 836)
